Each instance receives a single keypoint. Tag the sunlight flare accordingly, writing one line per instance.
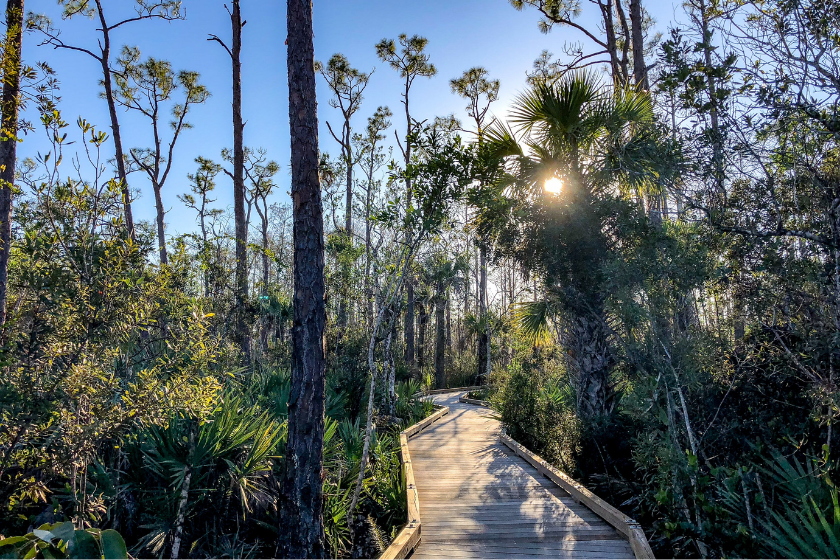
(554, 185)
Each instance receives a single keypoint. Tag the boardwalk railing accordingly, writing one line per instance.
(625, 525)
(454, 390)
(409, 537)
(476, 402)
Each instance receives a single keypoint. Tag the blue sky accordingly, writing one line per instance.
(461, 33)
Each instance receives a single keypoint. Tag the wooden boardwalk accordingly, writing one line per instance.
(478, 499)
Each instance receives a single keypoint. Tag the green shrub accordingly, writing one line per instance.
(537, 410)
(62, 540)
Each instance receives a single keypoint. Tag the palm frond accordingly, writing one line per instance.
(532, 319)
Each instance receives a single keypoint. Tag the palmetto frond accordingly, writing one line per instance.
(807, 533)
(533, 318)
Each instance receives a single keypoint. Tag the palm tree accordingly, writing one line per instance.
(442, 273)
(574, 150)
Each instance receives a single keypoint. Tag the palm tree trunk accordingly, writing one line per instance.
(593, 361)
(301, 523)
(484, 337)
(440, 339)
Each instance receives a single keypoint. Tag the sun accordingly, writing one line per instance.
(554, 185)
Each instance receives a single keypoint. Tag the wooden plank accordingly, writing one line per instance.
(475, 402)
(523, 545)
(482, 499)
(466, 550)
(408, 538)
(628, 526)
(455, 390)
(462, 553)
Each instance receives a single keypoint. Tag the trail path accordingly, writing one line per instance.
(479, 500)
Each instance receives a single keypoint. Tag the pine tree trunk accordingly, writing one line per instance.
(105, 60)
(240, 220)
(301, 527)
(612, 45)
(161, 225)
(8, 139)
(639, 68)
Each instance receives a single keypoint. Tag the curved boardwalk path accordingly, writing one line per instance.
(479, 500)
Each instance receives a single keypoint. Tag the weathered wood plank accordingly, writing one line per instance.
(614, 517)
(481, 499)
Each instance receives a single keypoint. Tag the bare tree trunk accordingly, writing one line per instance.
(368, 290)
(301, 523)
(161, 226)
(241, 222)
(612, 46)
(8, 139)
(392, 373)
(105, 60)
(266, 270)
(409, 325)
(625, 49)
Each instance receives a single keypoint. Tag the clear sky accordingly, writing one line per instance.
(461, 33)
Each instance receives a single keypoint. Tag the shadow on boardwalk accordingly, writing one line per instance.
(479, 500)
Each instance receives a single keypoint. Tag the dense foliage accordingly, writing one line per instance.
(643, 264)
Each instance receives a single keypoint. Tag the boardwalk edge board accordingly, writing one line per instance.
(408, 539)
(625, 525)
(454, 390)
(474, 401)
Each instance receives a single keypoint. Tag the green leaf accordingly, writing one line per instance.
(43, 535)
(113, 545)
(83, 546)
(64, 531)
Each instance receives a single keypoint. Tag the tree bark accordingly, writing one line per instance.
(409, 308)
(241, 222)
(301, 523)
(612, 45)
(483, 338)
(409, 324)
(440, 339)
(639, 68)
(8, 139)
(593, 362)
(161, 226)
(423, 319)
